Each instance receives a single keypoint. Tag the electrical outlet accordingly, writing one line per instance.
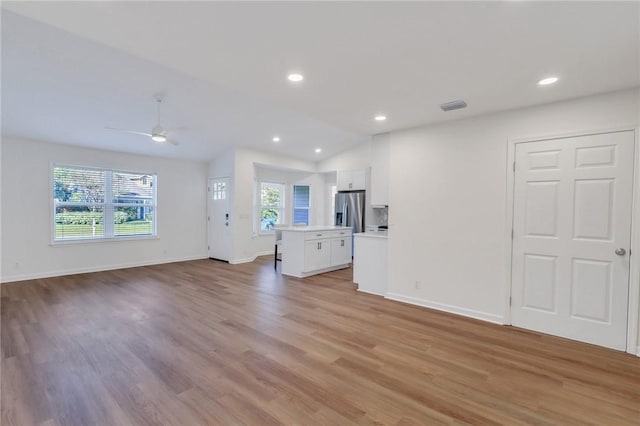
(417, 285)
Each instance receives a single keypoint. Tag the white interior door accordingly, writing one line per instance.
(218, 217)
(572, 236)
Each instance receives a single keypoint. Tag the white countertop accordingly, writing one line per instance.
(376, 234)
(314, 228)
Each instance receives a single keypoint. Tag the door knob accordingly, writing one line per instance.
(621, 251)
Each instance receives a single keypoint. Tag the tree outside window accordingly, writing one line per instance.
(271, 205)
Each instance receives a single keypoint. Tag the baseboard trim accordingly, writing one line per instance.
(63, 272)
(496, 319)
(371, 292)
(250, 259)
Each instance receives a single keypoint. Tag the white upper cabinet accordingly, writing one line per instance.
(351, 180)
(380, 170)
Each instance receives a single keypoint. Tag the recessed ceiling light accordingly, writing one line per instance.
(380, 117)
(547, 81)
(318, 150)
(295, 77)
(276, 139)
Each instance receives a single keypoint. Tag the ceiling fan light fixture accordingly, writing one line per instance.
(159, 138)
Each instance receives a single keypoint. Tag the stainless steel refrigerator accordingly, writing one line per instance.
(349, 211)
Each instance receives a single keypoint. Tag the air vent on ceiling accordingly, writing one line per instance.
(450, 106)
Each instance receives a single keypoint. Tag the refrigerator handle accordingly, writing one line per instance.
(346, 215)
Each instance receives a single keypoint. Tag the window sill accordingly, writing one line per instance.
(102, 240)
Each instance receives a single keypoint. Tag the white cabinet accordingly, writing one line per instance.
(351, 180)
(370, 263)
(380, 170)
(341, 250)
(313, 250)
(317, 255)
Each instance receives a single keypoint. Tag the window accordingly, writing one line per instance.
(300, 204)
(96, 203)
(271, 205)
(219, 191)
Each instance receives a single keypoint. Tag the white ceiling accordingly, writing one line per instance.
(71, 68)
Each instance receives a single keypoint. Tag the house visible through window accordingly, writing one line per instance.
(97, 203)
(301, 204)
(271, 205)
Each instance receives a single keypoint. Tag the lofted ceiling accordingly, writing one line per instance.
(71, 68)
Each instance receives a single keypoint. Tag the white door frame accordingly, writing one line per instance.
(634, 274)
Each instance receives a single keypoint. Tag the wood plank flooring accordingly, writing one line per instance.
(204, 342)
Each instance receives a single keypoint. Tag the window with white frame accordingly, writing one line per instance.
(271, 206)
(301, 204)
(91, 203)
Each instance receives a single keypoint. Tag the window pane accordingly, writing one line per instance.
(269, 218)
(132, 188)
(271, 195)
(78, 185)
(300, 216)
(130, 220)
(300, 196)
(79, 222)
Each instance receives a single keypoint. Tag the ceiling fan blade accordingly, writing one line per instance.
(173, 142)
(129, 131)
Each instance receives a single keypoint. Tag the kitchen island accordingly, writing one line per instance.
(311, 250)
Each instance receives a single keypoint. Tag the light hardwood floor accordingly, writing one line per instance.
(205, 342)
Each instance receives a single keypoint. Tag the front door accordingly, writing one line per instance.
(572, 236)
(219, 238)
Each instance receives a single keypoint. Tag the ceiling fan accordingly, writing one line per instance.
(158, 133)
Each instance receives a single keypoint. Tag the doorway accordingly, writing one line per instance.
(571, 237)
(218, 219)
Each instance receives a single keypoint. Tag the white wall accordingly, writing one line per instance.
(355, 158)
(26, 206)
(448, 198)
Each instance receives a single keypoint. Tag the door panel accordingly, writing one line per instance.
(544, 160)
(593, 208)
(596, 156)
(591, 290)
(542, 209)
(540, 282)
(572, 210)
